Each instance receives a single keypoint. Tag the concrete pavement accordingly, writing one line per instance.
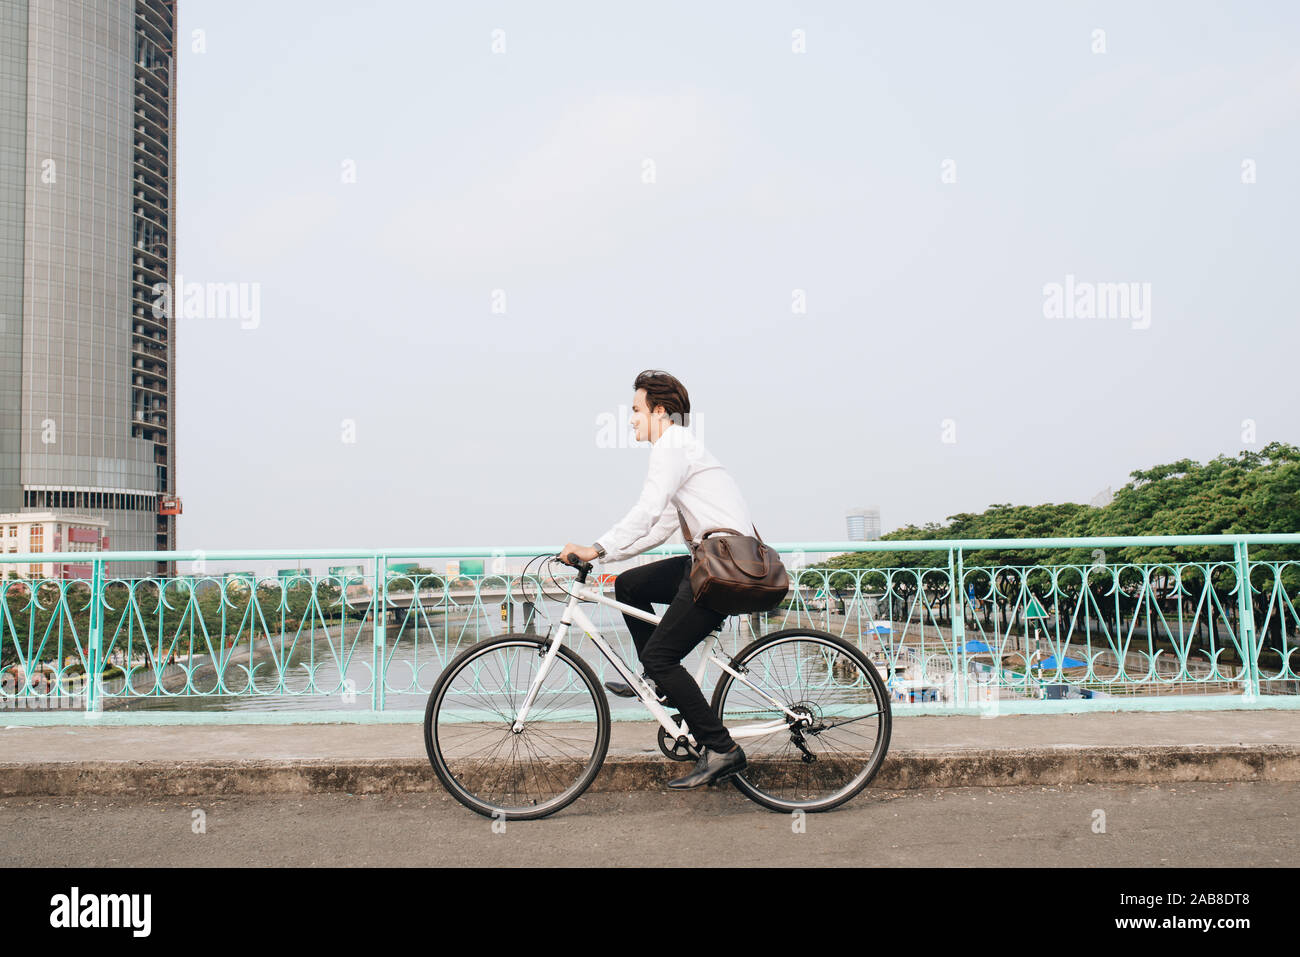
(1209, 825)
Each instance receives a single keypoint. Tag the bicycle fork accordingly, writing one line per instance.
(536, 685)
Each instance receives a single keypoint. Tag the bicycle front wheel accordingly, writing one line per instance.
(476, 754)
(833, 745)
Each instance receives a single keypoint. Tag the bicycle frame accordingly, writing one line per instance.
(573, 614)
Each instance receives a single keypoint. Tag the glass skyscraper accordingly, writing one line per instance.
(863, 524)
(87, 234)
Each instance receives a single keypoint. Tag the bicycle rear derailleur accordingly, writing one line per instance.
(811, 723)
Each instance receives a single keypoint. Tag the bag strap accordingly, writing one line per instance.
(760, 567)
(686, 529)
(681, 520)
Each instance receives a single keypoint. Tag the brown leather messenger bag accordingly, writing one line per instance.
(734, 574)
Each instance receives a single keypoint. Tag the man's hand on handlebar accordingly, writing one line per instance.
(584, 553)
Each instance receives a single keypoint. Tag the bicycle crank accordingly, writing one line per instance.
(677, 749)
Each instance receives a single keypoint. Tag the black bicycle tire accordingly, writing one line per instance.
(878, 687)
(557, 804)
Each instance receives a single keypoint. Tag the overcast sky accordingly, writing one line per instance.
(839, 239)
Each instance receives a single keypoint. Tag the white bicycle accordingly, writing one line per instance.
(518, 725)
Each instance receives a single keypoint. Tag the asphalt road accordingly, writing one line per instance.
(1192, 825)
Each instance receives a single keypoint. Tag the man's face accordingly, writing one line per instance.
(641, 418)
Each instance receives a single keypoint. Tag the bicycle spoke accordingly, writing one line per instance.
(470, 729)
(812, 675)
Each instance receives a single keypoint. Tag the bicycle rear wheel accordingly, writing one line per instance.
(477, 756)
(836, 745)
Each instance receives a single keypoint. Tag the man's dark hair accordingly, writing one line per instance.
(664, 389)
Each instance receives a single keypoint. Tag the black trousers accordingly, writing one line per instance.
(662, 647)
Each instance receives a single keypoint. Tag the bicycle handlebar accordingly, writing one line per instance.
(583, 567)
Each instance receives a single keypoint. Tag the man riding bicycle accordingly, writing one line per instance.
(683, 475)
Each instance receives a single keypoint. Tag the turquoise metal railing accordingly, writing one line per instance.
(950, 635)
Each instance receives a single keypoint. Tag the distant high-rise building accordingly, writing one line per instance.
(1103, 498)
(863, 524)
(87, 237)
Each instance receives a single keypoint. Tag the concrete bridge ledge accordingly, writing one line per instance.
(639, 771)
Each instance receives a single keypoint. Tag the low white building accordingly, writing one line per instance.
(53, 531)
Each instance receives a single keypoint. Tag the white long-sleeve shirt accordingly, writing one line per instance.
(683, 473)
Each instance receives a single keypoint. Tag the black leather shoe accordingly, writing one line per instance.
(712, 768)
